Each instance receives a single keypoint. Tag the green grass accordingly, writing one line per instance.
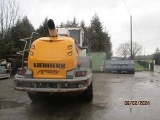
(139, 67)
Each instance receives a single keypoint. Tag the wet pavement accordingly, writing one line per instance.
(116, 97)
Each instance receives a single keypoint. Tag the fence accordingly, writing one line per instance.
(148, 65)
(98, 61)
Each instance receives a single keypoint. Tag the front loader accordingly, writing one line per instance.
(56, 64)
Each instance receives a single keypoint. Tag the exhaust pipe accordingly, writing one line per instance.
(52, 28)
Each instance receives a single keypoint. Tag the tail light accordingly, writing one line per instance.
(81, 73)
(21, 71)
(79, 64)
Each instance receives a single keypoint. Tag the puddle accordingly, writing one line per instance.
(117, 81)
(9, 104)
(152, 80)
(114, 82)
(99, 106)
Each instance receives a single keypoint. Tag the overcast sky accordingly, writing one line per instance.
(113, 14)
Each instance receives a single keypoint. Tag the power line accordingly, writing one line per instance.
(132, 19)
(127, 7)
(136, 30)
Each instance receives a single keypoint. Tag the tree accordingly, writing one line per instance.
(5, 45)
(96, 35)
(22, 29)
(9, 14)
(124, 49)
(74, 23)
(83, 25)
(136, 49)
(70, 23)
(108, 46)
(98, 39)
(62, 25)
(43, 28)
(157, 50)
(156, 56)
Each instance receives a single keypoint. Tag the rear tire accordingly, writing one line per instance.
(87, 95)
(38, 96)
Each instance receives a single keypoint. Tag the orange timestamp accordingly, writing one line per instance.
(134, 102)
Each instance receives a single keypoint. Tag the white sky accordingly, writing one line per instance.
(113, 14)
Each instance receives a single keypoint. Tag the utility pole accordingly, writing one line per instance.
(131, 35)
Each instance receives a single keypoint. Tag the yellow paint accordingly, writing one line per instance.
(52, 50)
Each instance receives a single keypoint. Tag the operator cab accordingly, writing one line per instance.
(77, 34)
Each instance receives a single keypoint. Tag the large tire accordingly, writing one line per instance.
(87, 95)
(38, 96)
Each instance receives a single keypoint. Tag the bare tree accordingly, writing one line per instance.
(124, 49)
(9, 14)
(136, 49)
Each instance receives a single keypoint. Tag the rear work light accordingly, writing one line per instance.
(81, 73)
(21, 71)
(70, 47)
(32, 47)
(69, 53)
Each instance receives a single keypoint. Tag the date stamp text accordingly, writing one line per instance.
(136, 102)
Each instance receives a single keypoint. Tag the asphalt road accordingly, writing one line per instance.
(116, 97)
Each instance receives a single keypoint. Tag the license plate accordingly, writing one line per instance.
(49, 72)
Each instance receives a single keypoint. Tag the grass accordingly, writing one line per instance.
(139, 67)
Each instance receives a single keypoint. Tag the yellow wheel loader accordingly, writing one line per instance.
(56, 64)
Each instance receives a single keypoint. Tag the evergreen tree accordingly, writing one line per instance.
(22, 29)
(10, 12)
(83, 25)
(70, 23)
(156, 56)
(74, 23)
(62, 25)
(99, 41)
(5, 45)
(43, 29)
